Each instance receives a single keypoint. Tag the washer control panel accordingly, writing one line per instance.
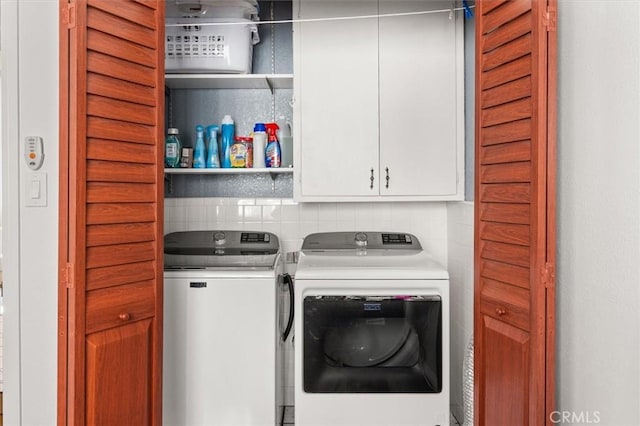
(221, 242)
(361, 240)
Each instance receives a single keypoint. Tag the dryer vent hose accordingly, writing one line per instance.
(289, 281)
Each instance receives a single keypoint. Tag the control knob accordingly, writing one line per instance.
(219, 238)
(361, 239)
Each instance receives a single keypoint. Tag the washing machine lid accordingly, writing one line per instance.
(220, 249)
(396, 242)
(385, 256)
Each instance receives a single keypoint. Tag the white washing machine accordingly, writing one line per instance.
(222, 329)
(372, 339)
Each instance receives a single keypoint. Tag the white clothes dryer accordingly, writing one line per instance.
(222, 329)
(372, 321)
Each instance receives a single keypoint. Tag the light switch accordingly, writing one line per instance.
(35, 189)
(35, 193)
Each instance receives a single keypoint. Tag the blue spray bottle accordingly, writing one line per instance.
(213, 160)
(228, 130)
(199, 151)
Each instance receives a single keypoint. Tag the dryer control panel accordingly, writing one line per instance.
(396, 239)
(361, 240)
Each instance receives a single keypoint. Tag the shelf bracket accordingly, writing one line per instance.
(273, 181)
(269, 84)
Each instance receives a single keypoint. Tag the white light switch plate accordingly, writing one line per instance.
(35, 190)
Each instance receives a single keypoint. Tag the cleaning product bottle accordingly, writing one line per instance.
(239, 152)
(228, 129)
(286, 141)
(172, 148)
(249, 144)
(284, 128)
(273, 155)
(199, 155)
(259, 145)
(213, 160)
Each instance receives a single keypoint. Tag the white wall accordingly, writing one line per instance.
(30, 105)
(460, 266)
(598, 281)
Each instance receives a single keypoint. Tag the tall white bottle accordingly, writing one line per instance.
(286, 141)
(259, 145)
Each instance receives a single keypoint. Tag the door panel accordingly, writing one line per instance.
(506, 374)
(515, 205)
(508, 132)
(500, 271)
(507, 72)
(517, 151)
(101, 149)
(134, 302)
(507, 92)
(116, 24)
(506, 303)
(110, 304)
(118, 375)
(120, 274)
(119, 89)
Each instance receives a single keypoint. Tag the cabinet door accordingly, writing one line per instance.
(337, 99)
(421, 81)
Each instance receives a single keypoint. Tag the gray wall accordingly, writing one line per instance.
(598, 281)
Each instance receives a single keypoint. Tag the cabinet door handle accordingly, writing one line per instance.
(124, 316)
(387, 185)
(371, 179)
(501, 311)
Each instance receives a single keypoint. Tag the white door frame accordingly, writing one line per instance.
(12, 395)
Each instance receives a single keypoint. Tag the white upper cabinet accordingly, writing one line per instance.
(336, 98)
(378, 97)
(419, 99)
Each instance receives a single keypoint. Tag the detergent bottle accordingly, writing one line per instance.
(199, 161)
(228, 130)
(213, 160)
(259, 145)
(286, 141)
(172, 148)
(273, 155)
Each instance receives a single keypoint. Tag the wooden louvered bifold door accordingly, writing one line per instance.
(514, 212)
(112, 109)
